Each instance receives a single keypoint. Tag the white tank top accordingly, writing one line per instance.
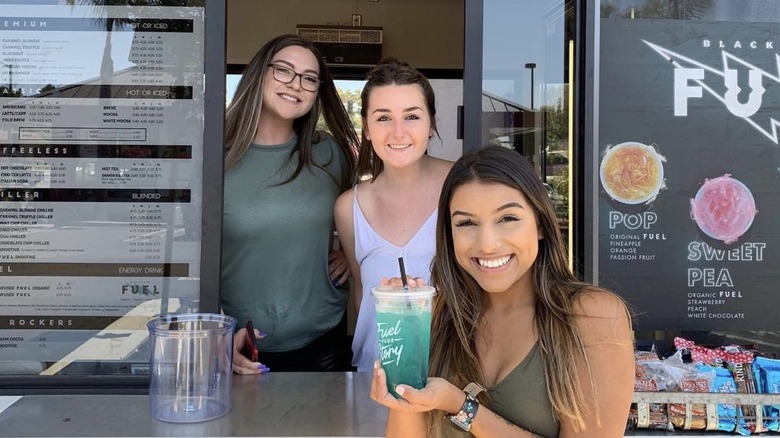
(379, 258)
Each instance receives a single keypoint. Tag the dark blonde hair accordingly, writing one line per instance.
(460, 304)
(243, 113)
(390, 71)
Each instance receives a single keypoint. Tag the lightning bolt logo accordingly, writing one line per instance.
(756, 76)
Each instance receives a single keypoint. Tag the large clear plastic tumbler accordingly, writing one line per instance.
(190, 366)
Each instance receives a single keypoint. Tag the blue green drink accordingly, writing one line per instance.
(403, 320)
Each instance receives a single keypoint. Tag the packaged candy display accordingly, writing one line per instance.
(715, 370)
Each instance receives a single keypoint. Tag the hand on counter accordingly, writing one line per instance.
(241, 364)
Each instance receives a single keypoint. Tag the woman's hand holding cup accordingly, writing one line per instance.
(437, 394)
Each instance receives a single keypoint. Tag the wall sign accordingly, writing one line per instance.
(101, 146)
(690, 172)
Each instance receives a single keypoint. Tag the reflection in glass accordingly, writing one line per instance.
(757, 11)
(525, 88)
(103, 124)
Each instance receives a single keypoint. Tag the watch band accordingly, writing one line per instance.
(468, 411)
(473, 389)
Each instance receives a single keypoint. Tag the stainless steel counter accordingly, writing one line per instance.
(268, 405)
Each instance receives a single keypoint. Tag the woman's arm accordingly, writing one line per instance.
(605, 329)
(405, 424)
(407, 417)
(488, 424)
(346, 228)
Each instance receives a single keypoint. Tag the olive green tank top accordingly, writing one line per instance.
(521, 398)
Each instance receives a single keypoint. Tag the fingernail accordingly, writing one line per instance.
(336, 283)
(376, 364)
(263, 334)
(260, 366)
(400, 390)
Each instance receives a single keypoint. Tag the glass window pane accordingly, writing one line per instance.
(525, 89)
(101, 207)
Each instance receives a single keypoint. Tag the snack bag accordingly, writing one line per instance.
(645, 380)
(649, 416)
(692, 416)
(767, 376)
(699, 354)
(648, 378)
(722, 416)
(750, 418)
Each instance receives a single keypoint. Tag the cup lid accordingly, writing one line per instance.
(218, 321)
(392, 293)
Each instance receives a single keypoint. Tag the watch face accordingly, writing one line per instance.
(462, 426)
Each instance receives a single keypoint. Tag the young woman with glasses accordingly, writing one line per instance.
(282, 177)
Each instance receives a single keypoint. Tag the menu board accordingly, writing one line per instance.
(689, 172)
(101, 140)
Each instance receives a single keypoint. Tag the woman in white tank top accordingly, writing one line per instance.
(392, 214)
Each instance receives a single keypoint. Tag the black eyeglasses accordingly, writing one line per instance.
(286, 75)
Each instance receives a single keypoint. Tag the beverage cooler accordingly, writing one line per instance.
(110, 184)
(681, 194)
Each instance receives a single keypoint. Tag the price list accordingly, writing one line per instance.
(143, 114)
(147, 232)
(43, 112)
(100, 172)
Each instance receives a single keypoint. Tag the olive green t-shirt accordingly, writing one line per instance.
(521, 398)
(275, 243)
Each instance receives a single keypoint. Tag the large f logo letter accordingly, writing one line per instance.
(683, 91)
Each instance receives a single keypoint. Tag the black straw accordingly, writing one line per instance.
(403, 273)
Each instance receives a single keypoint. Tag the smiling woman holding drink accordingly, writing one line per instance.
(555, 354)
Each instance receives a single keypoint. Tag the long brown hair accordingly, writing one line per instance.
(461, 301)
(390, 71)
(241, 118)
